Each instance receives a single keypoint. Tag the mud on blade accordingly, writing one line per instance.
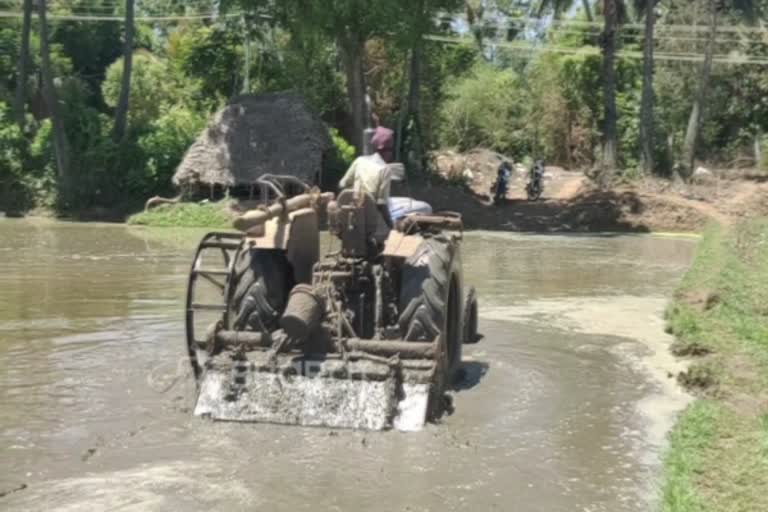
(359, 395)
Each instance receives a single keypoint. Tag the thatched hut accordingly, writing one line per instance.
(274, 133)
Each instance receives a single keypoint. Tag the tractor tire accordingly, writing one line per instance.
(471, 335)
(259, 288)
(430, 302)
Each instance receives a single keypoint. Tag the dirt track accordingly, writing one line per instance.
(572, 203)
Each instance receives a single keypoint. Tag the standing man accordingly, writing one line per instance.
(502, 182)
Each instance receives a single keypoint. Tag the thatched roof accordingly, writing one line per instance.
(273, 133)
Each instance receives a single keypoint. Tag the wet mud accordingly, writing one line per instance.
(564, 405)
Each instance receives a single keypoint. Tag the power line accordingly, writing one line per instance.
(669, 56)
(659, 34)
(665, 56)
(639, 37)
(510, 21)
(632, 39)
(528, 20)
(80, 17)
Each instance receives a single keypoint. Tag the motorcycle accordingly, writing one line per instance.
(535, 186)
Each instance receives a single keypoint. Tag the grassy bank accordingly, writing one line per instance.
(718, 455)
(186, 215)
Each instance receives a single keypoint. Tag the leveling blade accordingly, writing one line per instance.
(332, 393)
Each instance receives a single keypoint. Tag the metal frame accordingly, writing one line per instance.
(229, 244)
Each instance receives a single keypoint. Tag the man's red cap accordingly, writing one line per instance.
(383, 138)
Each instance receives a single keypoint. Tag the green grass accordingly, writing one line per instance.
(717, 459)
(205, 215)
(685, 457)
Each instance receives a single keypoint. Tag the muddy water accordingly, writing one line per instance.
(564, 408)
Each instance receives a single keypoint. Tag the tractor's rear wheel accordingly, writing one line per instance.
(261, 282)
(430, 301)
(470, 317)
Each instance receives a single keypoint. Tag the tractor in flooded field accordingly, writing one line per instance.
(368, 335)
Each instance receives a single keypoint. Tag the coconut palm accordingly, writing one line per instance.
(121, 111)
(60, 143)
(23, 67)
(646, 9)
(749, 11)
(614, 14)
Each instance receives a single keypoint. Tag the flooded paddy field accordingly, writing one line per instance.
(564, 406)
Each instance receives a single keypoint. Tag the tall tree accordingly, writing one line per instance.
(697, 114)
(352, 46)
(612, 13)
(746, 10)
(474, 11)
(647, 131)
(411, 113)
(351, 23)
(121, 110)
(60, 143)
(20, 99)
(418, 22)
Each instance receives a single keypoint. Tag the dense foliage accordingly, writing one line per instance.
(495, 88)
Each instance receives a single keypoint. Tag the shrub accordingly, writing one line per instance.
(164, 145)
(213, 56)
(336, 161)
(12, 186)
(486, 108)
(150, 88)
(344, 150)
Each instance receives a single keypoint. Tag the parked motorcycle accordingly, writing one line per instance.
(535, 186)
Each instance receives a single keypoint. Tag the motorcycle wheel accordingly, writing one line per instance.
(534, 192)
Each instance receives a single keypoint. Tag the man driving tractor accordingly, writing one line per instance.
(371, 175)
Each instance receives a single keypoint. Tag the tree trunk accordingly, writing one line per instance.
(610, 136)
(246, 56)
(352, 49)
(697, 112)
(412, 112)
(23, 67)
(587, 10)
(410, 116)
(414, 84)
(121, 112)
(474, 12)
(647, 135)
(60, 144)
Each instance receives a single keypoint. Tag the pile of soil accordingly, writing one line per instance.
(476, 169)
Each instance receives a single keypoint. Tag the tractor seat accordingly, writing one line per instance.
(354, 218)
